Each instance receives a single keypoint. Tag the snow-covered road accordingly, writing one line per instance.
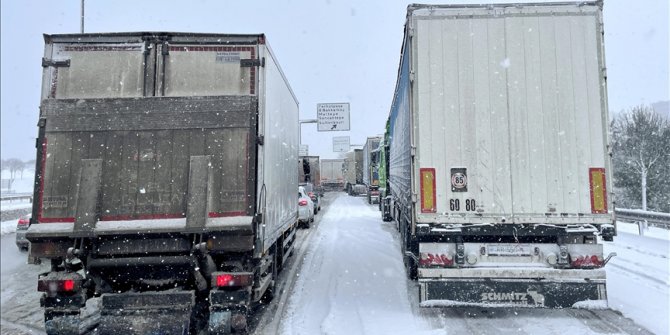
(347, 277)
(352, 281)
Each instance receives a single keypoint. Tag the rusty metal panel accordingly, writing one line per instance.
(88, 194)
(147, 113)
(145, 172)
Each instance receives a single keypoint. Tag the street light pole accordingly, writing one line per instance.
(82, 16)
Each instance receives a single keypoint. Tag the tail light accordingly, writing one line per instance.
(23, 222)
(587, 261)
(598, 188)
(428, 190)
(225, 279)
(65, 285)
(302, 202)
(442, 260)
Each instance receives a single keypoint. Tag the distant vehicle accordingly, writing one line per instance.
(384, 190)
(332, 174)
(314, 195)
(21, 228)
(353, 172)
(309, 171)
(371, 168)
(305, 208)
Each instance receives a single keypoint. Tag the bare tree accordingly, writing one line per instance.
(13, 165)
(641, 156)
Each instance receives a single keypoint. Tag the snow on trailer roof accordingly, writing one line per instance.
(535, 5)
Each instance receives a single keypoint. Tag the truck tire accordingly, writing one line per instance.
(411, 268)
(269, 293)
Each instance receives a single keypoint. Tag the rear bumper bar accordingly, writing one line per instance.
(518, 288)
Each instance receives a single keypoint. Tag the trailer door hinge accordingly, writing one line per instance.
(260, 140)
(414, 197)
(252, 62)
(413, 151)
(55, 63)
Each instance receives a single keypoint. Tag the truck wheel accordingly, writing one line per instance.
(411, 268)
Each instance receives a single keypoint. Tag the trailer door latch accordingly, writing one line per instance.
(55, 63)
(252, 62)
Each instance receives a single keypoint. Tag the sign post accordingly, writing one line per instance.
(341, 144)
(333, 116)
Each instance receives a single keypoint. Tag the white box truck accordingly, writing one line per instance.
(166, 180)
(499, 164)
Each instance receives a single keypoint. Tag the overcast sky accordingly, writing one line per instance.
(330, 51)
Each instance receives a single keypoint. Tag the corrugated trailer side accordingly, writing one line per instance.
(278, 158)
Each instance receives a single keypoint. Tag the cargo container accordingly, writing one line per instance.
(165, 180)
(499, 164)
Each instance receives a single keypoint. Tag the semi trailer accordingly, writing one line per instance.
(500, 172)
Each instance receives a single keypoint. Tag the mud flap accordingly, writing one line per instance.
(220, 322)
(62, 324)
(146, 313)
(508, 292)
(228, 311)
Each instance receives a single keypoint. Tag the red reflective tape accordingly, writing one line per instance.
(226, 214)
(43, 168)
(55, 220)
(103, 48)
(210, 49)
(142, 217)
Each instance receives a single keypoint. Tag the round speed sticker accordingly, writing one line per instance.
(459, 180)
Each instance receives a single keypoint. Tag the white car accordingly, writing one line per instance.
(305, 208)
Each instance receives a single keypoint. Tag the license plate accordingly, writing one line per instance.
(509, 250)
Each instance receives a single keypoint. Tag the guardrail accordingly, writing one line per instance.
(641, 217)
(17, 197)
